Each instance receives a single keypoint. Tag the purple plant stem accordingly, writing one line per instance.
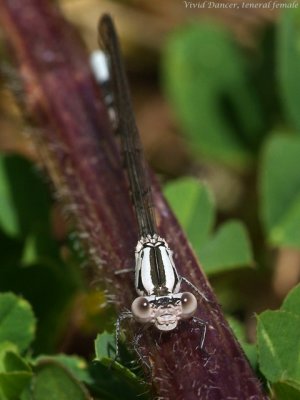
(80, 153)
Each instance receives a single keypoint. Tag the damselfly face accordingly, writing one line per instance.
(164, 311)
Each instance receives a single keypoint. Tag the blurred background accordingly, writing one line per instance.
(216, 100)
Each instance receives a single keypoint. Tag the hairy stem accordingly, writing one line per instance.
(82, 158)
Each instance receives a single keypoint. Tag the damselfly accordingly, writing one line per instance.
(157, 282)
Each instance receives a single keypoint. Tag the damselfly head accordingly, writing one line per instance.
(164, 311)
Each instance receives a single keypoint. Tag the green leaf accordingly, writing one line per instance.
(292, 301)
(6, 346)
(105, 346)
(13, 362)
(17, 322)
(228, 249)
(288, 53)
(280, 191)
(284, 391)
(52, 381)
(37, 284)
(15, 374)
(76, 365)
(22, 211)
(113, 380)
(279, 346)
(286, 233)
(207, 83)
(278, 343)
(193, 205)
(30, 253)
(13, 383)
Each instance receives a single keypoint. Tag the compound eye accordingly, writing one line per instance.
(141, 309)
(189, 304)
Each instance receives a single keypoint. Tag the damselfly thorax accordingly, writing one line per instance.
(155, 272)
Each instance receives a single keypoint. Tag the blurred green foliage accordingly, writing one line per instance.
(288, 56)
(280, 190)
(15, 373)
(238, 110)
(52, 381)
(242, 112)
(208, 84)
(240, 332)
(17, 321)
(123, 383)
(39, 273)
(61, 376)
(227, 248)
